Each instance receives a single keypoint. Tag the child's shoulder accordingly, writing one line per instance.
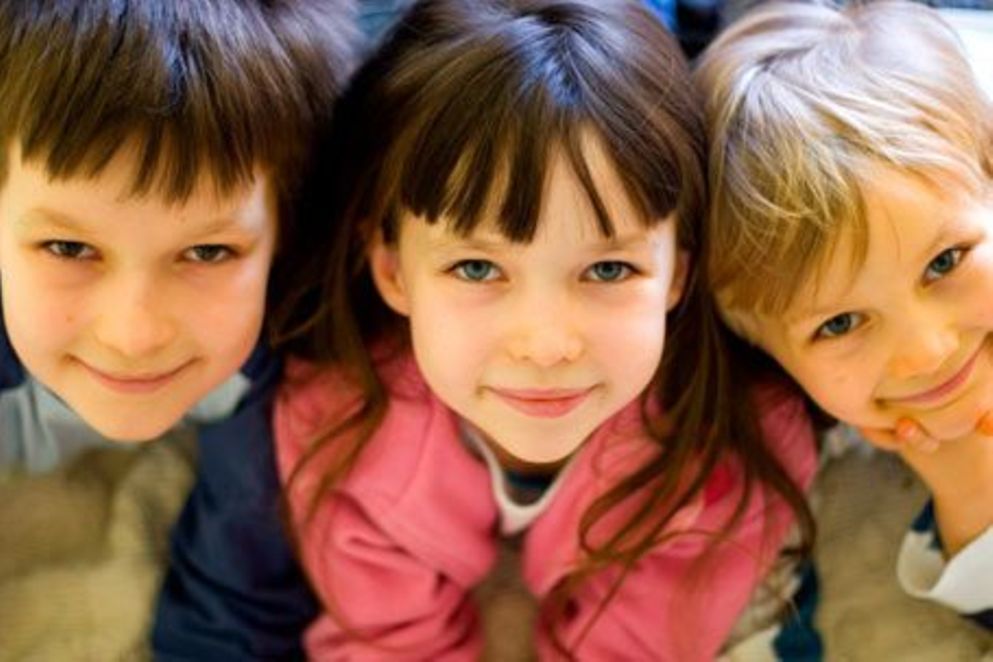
(779, 402)
(786, 425)
(11, 370)
(314, 395)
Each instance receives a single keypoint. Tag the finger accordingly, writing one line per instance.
(985, 426)
(881, 438)
(914, 437)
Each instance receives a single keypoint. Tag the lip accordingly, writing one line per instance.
(136, 383)
(949, 386)
(544, 403)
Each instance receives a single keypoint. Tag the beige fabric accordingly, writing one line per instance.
(868, 500)
(82, 552)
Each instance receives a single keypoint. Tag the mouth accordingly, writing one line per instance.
(942, 391)
(135, 383)
(544, 403)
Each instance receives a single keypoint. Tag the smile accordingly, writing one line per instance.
(136, 383)
(938, 393)
(544, 403)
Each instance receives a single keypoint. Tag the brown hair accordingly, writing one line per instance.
(212, 86)
(458, 115)
(803, 102)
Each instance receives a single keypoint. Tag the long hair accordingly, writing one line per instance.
(459, 114)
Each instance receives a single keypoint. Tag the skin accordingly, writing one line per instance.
(572, 322)
(131, 309)
(901, 346)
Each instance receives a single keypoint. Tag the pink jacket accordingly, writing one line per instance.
(412, 530)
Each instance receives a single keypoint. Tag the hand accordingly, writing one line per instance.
(908, 435)
(957, 472)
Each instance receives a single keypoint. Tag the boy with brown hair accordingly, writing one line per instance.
(150, 155)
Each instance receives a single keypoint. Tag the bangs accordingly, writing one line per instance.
(484, 117)
(191, 89)
(506, 186)
(770, 249)
(169, 163)
(776, 235)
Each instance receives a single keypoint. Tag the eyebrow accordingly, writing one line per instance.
(941, 238)
(490, 245)
(67, 222)
(51, 217)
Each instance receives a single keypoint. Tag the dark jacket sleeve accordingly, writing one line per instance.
(11, 371)
(233, 589)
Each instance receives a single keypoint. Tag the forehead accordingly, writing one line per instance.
(110, 192)
(908, 220)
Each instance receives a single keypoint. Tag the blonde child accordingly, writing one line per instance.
(511, 342)
(852, 239)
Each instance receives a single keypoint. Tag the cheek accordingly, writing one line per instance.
(449, 337)
(973, 292)
(225, 318)
(42, 333)
(638, 319)
(628, 343)
(45, 316)
(220, 310)
(843, 392)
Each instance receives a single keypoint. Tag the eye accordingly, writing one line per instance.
(69, 250)
(943, 264)
(839, 325)
(208, 253)
(609, 271)
(476, 271)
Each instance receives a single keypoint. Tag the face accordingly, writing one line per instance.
(131, 309)
(908, 334)
(536, 345)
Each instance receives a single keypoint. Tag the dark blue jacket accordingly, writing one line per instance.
(233, 590)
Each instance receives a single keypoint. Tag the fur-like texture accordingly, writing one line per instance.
(82, 553)
(867, 501)
(83, 549)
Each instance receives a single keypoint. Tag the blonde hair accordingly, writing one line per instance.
(802, 102)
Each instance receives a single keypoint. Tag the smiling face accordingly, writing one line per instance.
(537, 344)
(909, 334)
(128, 308)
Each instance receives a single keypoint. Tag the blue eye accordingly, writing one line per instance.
(208, 253)
(839, 325)
(609, 271)
(476, 271)
(69, 250)
(943, 264)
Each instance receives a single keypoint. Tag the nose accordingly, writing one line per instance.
(545, 333)
(134, 322)
(922, 349)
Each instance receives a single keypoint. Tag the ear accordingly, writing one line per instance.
(384, 264)
(680, 274)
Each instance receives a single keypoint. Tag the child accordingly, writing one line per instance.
(149, 153)
(852, 175)
(517, 204)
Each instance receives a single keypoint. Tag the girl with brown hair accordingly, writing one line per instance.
(509, 340)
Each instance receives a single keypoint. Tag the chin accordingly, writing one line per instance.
(549, 457)
(130, 431)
